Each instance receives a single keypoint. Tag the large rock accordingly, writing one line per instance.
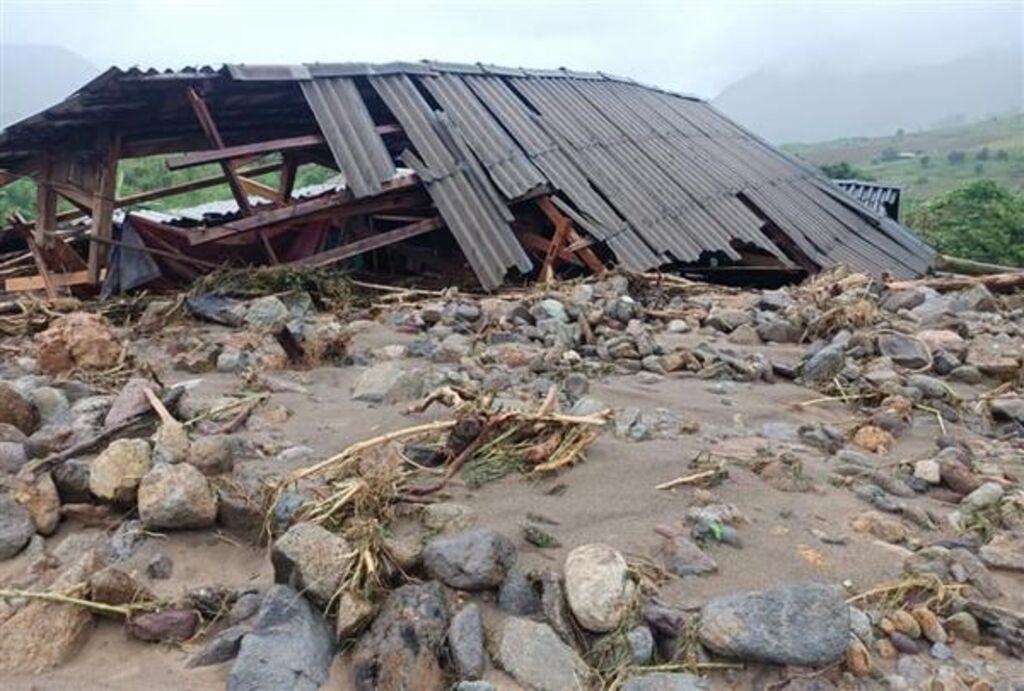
(801, 624)
(466, 643)
(995, 357)
(727, 320)
(387, 382)
(400, 652)
(116, 473)
(312, 559)
(538, 659)
(17, 410)
(176, 497)
(905, 351)
(665, 681)
(473, 560)
(79, 339)
(42, 635)
(38, 495)
(824, 364)
(598, 586)
(170, 443)
(16, 527)
(289, 649)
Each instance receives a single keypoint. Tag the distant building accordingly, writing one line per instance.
(882, 199)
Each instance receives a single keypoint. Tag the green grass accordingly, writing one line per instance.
(922, 182)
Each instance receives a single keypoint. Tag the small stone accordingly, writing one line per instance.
(171, 443)
(169, 625)
(824, 365)
(905, 623)
(222, 647)
(131, 401)
(311, 559)
(176, 497)
(931, 627)
(1007, 409)
(881, 526)
(665, 681)
(684, 558)
(160, 567)
(16, 527)
(13, 456)
(858, 659)
(985, 496)
(905, 351)
(964, 626)
(16, 410)
(116, 473)
(537, 658)
(266, 312)
(213, 454)
(904, 643)
(38, 495)
(354, 613)
(928, 470)
(727, 320)
(473, 560)
(553, 605)
(389, 383)
(466, 643)
(1004, 551)
(112, 586)
(800, 624)
(745, 334)
(941, 651)
(445, 516)
(597, 586)
(478, 686)
(517, 595)
(641, 645)
(51, 404)
(72, 481)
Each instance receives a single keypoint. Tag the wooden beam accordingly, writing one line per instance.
(541, 243)
(44, 273)
(373, 242)
(103, 201)
(198, 158)
(556, 217)
(47, 281)
(206, 121)
(340, 203)
(286, 184)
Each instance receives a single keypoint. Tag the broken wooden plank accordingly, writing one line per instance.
(373, 242)
(945, 284)
(206, 121)
(198, 158)
(47, 281)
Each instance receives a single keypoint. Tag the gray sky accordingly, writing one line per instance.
(697, 47)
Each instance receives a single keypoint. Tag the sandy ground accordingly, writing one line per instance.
(609, 498)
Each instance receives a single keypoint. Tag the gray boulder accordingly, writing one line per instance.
(289, 649)
(400, 650)
(466, 643)
(904, 350)
(16, 527)
(517, 596)
(824, 364)
(538, 659)
(387, 382)
(473, 560)
(312, 559)
(800, 624)
(176, 497)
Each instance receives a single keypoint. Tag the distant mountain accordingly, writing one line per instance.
(34, 77)
(816, 106)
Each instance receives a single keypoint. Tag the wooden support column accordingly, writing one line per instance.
(108, 147)
(46, 203)
(287, 183)
(564, 231)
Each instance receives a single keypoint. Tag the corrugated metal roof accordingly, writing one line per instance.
(350, 133)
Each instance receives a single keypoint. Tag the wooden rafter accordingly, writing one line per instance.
(372, 242)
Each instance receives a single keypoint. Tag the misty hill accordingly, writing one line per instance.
(818, 106)
(34, 77)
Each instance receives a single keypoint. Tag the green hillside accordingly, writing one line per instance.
(931, 162)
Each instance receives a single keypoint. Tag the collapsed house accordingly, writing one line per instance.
(504, 172)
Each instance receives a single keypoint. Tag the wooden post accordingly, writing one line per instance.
(104, 197)
(209, 126)
(46, 203)
(564, 231)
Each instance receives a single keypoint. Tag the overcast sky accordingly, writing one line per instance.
(696, 47)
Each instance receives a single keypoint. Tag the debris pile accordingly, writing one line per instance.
(633, 482)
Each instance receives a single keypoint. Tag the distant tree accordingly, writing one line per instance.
(890, 153)
(982, 154)
(979, 168)
(900, 132)
(1001, 155)
(981, 220)
(925, 161)
(956, 157)
(844, 171)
